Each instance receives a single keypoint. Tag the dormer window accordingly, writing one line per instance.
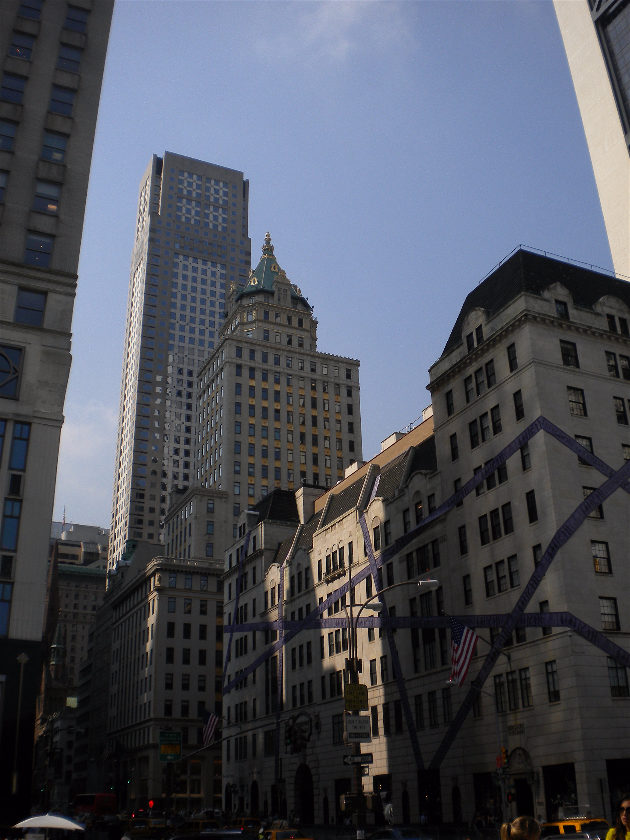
(562, 309)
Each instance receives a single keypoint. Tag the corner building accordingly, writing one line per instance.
(53, 56)
(274, 412)
(513, 494)
(191, 244)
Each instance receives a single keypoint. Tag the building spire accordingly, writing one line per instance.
(267, 248)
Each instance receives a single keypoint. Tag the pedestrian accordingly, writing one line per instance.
(522, 828)
(621, 828)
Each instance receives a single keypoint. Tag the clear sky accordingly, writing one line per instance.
(396, 152)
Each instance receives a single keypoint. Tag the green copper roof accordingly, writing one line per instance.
(263, 277)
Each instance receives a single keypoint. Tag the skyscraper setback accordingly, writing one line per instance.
(191, 244)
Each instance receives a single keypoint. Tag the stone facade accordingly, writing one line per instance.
(494, 495)
(53, 60)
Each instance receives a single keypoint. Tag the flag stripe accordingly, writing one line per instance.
(209, 728)
(463, 642)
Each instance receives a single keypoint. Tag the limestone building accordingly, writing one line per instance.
(596, 36)
(53, 55)
(512, 494)
(165, 672)
(191, 243)
(274, 411)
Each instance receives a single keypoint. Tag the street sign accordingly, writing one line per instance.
(357, 728)
(362, 758)
(356, 697)
(170, 745)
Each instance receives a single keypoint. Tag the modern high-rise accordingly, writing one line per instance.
(596, 36)
(191, 244)
(53, 56)
(274, 411)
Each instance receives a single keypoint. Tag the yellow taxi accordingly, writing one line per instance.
(588, 828)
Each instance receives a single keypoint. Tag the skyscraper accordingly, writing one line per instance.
(191, 243)
(596, 36)
(274, 411)
(53, 60)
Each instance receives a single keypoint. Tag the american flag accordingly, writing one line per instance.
(463, 641)
(210, 722)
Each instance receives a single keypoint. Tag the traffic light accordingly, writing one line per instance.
(504, 757)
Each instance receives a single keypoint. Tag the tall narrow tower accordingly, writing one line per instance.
(53, 55)
(191, 243)
(274, 412)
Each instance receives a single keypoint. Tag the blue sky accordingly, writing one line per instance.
(396, 151)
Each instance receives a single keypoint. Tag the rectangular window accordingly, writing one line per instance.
(12, 88)
(480, 382)
(577, 403)
(611, 364)
(620, 411)
(39, 248)
(69, 58)
(624, 364)
(489, 581)
(419, 711)
(54, 146)
(467, 585)
(433, 709)
(387, 729)
(519, 407)
(46, 198)
(21, 45)
(532, 510)
(511, 355)
(601, 557)
(484, 530)
(10, 524)
(495, 524)
(499, 693)
(511, 681)
(568, 351)
(609, 613)
(526, 687)
(454, 447)
(553, 686)
(450, 406)
(61, 100)
(19, 446)
(31, 9)
(617, 679)
(506, 514)
(491, 377)
(7, 135)
(374, 715)
(76, 19)
(597, 512)
(513, 572)
(484, 426)
(473, 433)
(587, 443)
(463, 539)
(469, 389)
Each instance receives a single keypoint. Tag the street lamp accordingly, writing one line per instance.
(427, 585)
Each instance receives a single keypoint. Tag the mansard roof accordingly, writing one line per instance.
(526, 271)
(279, 506)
